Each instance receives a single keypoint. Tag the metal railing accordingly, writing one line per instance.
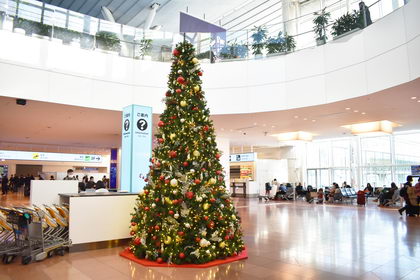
(45, 21)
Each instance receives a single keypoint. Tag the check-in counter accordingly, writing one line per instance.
(99, 217)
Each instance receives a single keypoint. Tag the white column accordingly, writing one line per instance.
(290, 10)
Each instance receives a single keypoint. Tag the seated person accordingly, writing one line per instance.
(320, 195)
(308, 196)
(368, 190)
(299, 190)
(387, 194)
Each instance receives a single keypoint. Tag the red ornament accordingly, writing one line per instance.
(146, 180)
(180, 200)
(137, 241)
(161, 123)
(157, 199)
(133, 224)
(197, 239)
(161, 140)
(161, 177)
(171, 212)
(180, 80)
(132, 233)
(227, 237)
(167, 181)
(176, 52)
(206, 128)
(178, 90)
(173, 117)
(205, 218)
(157, 227)
(210, 225)
(203, 169)
(175, 201)
(212, 200)
(197, 181)
(185, 163)
(181, 233)
(189, 195)
(218, 155)
(168, 93)
(159, 260)
(172, 154)
(146, 192)
(218, 172)
(200, 73)
(195, 109)
(181, 255)
(154, 237)
(158, 164)
(146, 208)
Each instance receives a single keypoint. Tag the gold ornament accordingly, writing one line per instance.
(196, 153)
(195, 60)
(172, 136)
(168, 200)
(234, 217)
(174, 182)
(181, 62)
(206, 206)
(196, 88)
(212, 181)
(178, 239)
(222, 245)
(134, 228)
(183, 103)
(168, 240)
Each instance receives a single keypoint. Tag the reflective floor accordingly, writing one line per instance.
(284, 241)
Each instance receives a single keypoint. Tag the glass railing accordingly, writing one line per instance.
(44, 21)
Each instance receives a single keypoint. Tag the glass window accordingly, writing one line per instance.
(407, 149)
(341, 153)
(376, 151)
(378, 176)
(312, 155)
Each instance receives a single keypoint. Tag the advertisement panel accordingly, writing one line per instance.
(41, 156)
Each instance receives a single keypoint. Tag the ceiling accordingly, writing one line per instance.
(64, 125)
(232, 14)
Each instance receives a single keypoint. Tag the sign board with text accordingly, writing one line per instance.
(41, 156)
(136, 147)
(242, 157)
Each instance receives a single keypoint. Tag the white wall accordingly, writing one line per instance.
(383, 55)
(46, 192)
(269, 169)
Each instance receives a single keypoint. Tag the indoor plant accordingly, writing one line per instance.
(145, 46)
(289, 43)
(258, 38)
(275, 44)
(321, 21)
(108, 41)
(346, 23)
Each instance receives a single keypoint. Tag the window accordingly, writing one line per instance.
(376, 151)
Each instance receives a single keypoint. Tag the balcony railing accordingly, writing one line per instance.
(44, 21)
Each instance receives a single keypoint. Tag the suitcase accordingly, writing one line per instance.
(361, 199)
(413, 210)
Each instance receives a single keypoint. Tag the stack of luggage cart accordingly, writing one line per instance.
(34, 233)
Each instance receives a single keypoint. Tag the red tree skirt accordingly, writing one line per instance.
(129, 255)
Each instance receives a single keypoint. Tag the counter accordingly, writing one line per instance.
(97, 217)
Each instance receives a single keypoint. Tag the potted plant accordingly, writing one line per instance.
(145, 46)
(258, 38)
(275, 44)
(233, 50)
(289, 43)
(321, 21)
(108, 41)
(346, 23)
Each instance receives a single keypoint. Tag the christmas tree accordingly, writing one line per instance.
(184, 214)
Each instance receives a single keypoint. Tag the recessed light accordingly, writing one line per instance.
(363, 113)
(273, 126)
(264, 125)
(418, 100)
(255, 123)
(356, 111)
(305, 119)
(313, 120)
(222, 129)
(348, 108)
(414, 97)
(296, 117)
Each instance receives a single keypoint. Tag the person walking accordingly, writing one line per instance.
(404, 194)
(4, 184)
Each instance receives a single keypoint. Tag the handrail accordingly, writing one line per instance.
(84, 27)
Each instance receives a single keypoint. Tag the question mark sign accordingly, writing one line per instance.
(142, 124)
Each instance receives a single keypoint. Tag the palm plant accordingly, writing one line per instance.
(346, 23)
(275, 44)
(321, 21)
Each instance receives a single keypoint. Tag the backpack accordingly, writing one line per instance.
(403, 192)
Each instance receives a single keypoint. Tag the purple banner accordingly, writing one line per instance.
(190, 24)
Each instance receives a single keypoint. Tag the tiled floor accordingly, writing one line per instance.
(284, 240)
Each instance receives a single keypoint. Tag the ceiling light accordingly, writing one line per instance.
(418, 100)
(255, 123)
(296, 117)
(356, 111)
(414, 97)
(348, 108)
(305, 119)
(363, 113)
(294, 136)
(273, 126)
(372, 128)
(264, 125)
(313, 120)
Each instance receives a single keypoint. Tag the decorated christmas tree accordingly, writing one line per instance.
(185, 214)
